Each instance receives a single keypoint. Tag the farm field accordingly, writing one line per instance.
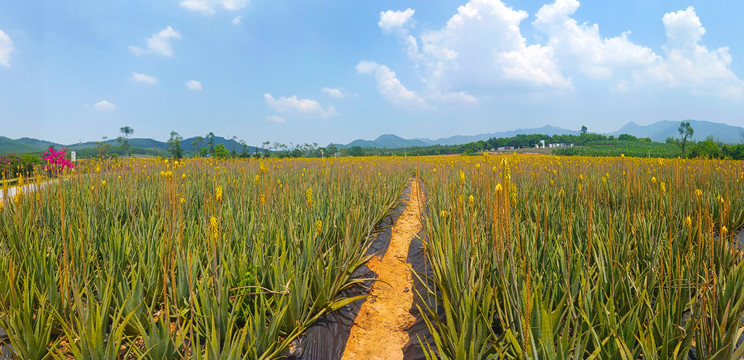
(526, 256)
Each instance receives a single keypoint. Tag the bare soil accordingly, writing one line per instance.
(379, 330)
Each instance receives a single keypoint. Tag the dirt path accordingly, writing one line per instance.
(379, 330)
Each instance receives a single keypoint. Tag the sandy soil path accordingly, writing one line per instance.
(379, 330)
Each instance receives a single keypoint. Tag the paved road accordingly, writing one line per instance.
(28, 188)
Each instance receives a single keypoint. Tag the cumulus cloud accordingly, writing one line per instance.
(481, 46)
(193, 85)
(209, 7)
(389, 86)
(6, 47)
(685, 64)
(582, 46)
(481, 49)
(143, 78)
(159, 43)
(293, 104)
(692, 66)
(237, 20)
(275, 119)
(104, 105)
(395, 20)
(336, 93)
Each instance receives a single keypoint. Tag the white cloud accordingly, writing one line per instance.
(104, 105)
(687, 64)
(293, 104)
(690, 65)
(193, 85)
(159, 43)
(143, 78)
(237, 20)
(481, 47)
(6, 47)
(275, 119)
(395, 20)
(389, 85)
(582, 46)
(336, 93)
(209, 7)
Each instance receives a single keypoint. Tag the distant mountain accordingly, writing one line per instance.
(24, 145)
(387, 141)
(661, 130)
(28, 145)
(657, 131)
(391, 141)
(464, 139)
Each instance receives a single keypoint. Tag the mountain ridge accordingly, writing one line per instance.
(657, 131)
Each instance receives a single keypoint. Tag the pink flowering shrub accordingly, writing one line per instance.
(56, 161)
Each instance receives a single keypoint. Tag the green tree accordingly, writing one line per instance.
(127, 132)
(174, 145)
(356, 151)
(102, 148)
(197, 144)
(685, 132)
(331, 150)
(220, 151)
(583, 129)
(210, 142)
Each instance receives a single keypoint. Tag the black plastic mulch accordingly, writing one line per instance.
(326, 338)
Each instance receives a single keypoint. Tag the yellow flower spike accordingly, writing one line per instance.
(318, 227)
(218, 193)
(581, 177)
(182, 200)
(477, 166)
(462, 177)
(309, 196)
(103, 183)
(579, 188)
(2, 206)
(688, 222)
(662, 188)
(561, 193)
(380, 174)
(214, 227)
(724, 231)
(256, 179)
(98, 169)
(471, 201)
(552, 183)
(442, 213)
(263, 199)
(498, 188)
(653, 180)
(183, 176)
(38, 197)
(119, 177)
(719, 198)
(698, 193)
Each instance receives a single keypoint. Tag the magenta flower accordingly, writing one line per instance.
(57, 160)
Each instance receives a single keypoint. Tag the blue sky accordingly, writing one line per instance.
(333, 71)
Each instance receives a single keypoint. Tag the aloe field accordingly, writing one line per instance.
(527, 256)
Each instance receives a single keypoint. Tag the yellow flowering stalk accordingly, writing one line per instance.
(218, 193)
(214, 228)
